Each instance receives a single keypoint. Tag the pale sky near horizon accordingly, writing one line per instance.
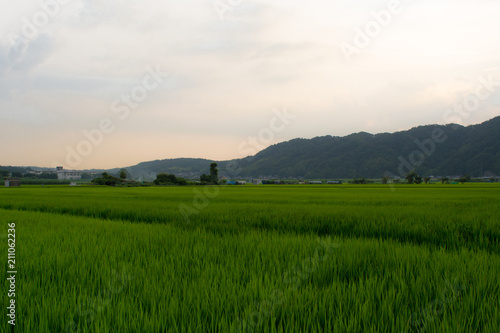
(225, 68)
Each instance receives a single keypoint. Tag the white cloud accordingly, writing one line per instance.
(227, 76)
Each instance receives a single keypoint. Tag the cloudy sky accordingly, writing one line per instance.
(102, 84)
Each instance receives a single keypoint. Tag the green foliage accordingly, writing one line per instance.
(359, 181)
(206, 179)
(37, 181)
(179, 166)
(86, 176)
(15, 169)
(214, 173)
(123, 174)
(181, 181)
(169, 179)
(253, 253)
(466, 150)
(411, 177)
(106, 179)
(427, 179)
(213, 178)
(30, 175)
(464, 179)
(46, 175)
(4, 173)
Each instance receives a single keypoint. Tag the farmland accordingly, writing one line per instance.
(343, 258)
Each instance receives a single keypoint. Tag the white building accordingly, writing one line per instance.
(70, 175)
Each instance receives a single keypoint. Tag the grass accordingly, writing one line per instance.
(256, 258)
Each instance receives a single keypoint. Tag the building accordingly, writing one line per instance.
(12, 182)
(71, 175)
(68, 175)
(236, 182)
(334, 182)
(315, 182)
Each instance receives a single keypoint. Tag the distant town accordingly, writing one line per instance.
(30, 176)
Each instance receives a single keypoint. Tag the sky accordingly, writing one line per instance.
(104, 84)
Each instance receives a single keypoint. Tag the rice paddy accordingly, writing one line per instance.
(343, 258)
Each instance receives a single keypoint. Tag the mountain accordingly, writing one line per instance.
(182, 167)
(431, 150)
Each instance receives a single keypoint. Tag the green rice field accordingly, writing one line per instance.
(267, 258)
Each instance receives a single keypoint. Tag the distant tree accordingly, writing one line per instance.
(464, 179)
(385, 179)
(46, 175)
(396, 180)
(17, 174)
(205, 178)
(106, 179)
(445, 180)
(181, 181)
(169, 179)
(165, 179)
(123, 174)
(214, 173)
(412, 177)
(4, 173)
(29, 175)
(426, 179)
(359, 181)
(85, 176)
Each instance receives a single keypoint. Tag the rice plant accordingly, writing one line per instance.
(256, 259)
